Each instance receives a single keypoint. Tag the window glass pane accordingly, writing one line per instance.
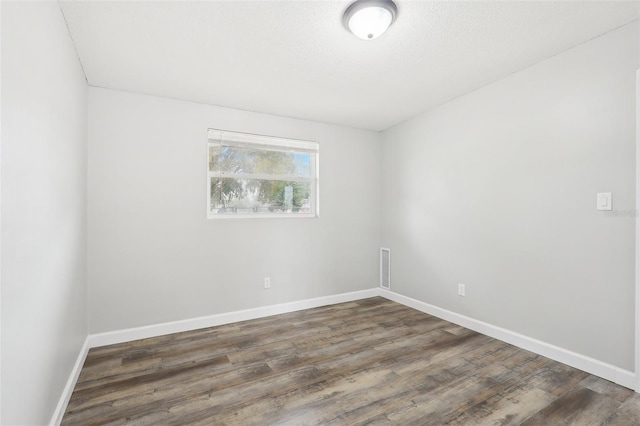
(214, 157)
(302, 162)
(227, 159)
(230, 160)
(251, 196)
(254, 175)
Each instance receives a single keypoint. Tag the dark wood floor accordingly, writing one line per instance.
(366, 362)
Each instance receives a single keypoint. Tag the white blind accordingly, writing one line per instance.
(247, 140)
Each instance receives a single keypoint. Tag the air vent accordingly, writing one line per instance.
(385, 268)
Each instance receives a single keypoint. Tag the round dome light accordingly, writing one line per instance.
(369, 19)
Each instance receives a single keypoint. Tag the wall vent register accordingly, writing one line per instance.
(385, 268)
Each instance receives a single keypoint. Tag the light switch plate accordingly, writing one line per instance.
(603, 201)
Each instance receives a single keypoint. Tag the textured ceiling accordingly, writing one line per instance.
(294, 58)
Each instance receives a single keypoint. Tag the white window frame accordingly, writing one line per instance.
(239, 139)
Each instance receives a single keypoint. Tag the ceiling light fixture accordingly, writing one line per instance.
(369, 19)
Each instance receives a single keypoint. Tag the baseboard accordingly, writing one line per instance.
(590, 365)
(606, 371)
(56, 419)
(127, 335)
(625, 378)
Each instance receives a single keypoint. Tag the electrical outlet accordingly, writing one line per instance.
(267, 282)
(461, 290)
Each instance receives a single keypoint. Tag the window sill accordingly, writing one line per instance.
(262, 216)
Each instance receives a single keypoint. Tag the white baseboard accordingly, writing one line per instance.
(56, 419)
(626, 378)
(127, 335)
(606, 371)
(590, 365)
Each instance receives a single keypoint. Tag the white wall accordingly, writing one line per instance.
(44, 130)
(497, 190)
(154, 256)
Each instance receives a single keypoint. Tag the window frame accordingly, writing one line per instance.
(265, 142)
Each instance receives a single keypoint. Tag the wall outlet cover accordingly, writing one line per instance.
(461, 290)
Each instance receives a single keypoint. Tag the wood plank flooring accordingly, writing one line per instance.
(367, 362)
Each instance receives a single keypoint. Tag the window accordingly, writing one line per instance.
(261, 176)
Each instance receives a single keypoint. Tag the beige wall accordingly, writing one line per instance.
(497, 190)
(155, 257)
(44, 134)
